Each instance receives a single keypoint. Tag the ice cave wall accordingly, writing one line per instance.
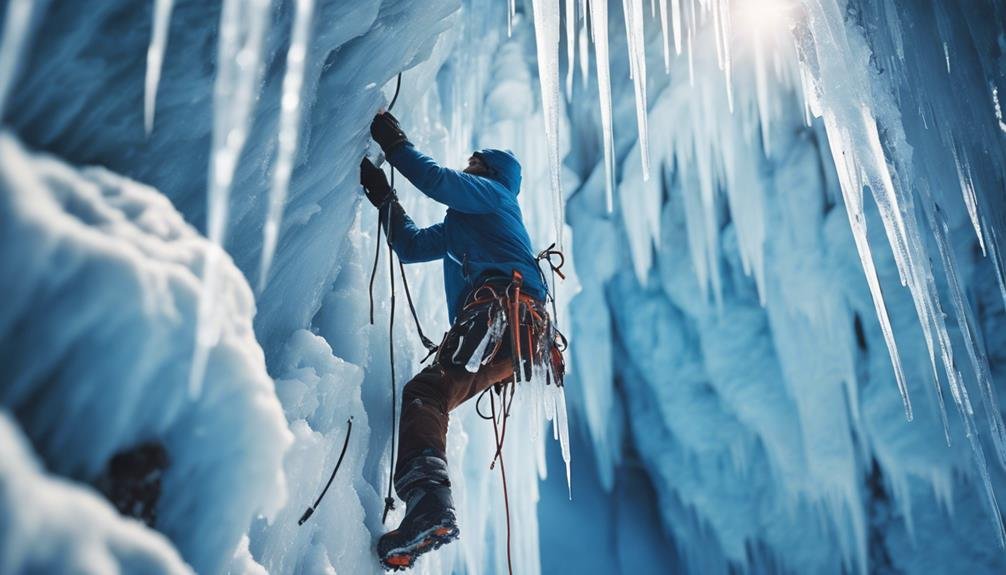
(728, 294)
(724, 330)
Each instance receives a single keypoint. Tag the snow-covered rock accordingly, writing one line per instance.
(101, 287)
(51, 525)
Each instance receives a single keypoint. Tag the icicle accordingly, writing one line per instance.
(970, 201)
(983, 470)
(242, 32)
(676, 24)
(16, 30)
(853, 195)
(511, 13)
(538, 414)
(546, 32)
(562, 424)
(289, 132)
(155, 58)
(997, 261)
(844, 93)
(965, 321)
(599, 29)
(584, 55)
(691, 61)
(665, 32)
(761, 88)
(637, 67)
(846, 135)
(724, 24)
(570, 46)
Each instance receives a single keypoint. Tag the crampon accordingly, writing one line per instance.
(399, 550)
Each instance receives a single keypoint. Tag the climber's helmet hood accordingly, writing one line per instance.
(503, 167)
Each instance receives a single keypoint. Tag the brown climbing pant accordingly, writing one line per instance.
(434, 392)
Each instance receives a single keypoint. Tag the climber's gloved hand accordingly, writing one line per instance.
(387, 132)
(375, 183)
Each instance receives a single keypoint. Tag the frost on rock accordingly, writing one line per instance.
(122, 360)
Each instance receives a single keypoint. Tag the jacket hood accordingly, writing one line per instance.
(505, 167)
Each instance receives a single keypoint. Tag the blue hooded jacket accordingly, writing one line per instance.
(482, 232)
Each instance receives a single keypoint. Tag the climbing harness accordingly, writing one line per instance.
(498, 313)
(310, 510)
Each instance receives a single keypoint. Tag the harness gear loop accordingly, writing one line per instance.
(547, 254)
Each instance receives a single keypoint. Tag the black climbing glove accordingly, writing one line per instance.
(375, 183)
(387, 132)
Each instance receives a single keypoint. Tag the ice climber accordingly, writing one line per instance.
(491, 277)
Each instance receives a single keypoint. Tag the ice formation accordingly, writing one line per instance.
(785, 219)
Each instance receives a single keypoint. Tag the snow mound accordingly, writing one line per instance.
(52, 526)
(96, 339)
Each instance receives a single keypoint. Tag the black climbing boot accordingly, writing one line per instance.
(429, 516)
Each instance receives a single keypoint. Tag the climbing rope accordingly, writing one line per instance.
(389, 501)
(499, 453)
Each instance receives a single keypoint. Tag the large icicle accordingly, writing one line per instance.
(546, 35)
(599, 31)
(155, 58)
(843, 135)
(561, 425)
(242, 32)
(16, 29)
(856, 113)
(289, 132)
(637, 69)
